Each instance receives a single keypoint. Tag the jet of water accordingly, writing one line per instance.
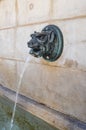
(17, 92)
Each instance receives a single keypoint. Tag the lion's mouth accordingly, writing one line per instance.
(35, 52)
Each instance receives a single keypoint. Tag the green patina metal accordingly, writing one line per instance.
(47, 44)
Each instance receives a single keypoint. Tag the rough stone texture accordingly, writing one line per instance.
(60, 85)
(8, 73)
(74, 44)
(7, 45)
(31, 11)
(7, 13)
(55, 118)
(68, 8)
(59, 88)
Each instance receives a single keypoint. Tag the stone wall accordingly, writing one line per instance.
(60, 85)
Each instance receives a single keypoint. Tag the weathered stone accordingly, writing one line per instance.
(74, 43)
(7, 45)
(60, 89)
(55, 118)
(7, 13)
(68, 9)
(33, 11)
(8, 73)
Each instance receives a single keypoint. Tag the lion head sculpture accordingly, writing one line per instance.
(41, 43)
(47, 44)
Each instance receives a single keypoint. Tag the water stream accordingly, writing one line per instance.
(17, 92)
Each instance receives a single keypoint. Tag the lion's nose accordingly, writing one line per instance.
(30, 44)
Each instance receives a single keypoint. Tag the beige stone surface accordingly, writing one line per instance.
(8, 73)
(74, 43)
(60, 85)
(68, 8)
(7, 13)
(7, 43)
(31, 11)
(59, 88)
(73, 55)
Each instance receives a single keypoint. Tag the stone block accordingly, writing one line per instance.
(59, 88)
(31, 11)
(7, 13)
(74, 44)
(8, 73)
(68, 8)
(7, 43)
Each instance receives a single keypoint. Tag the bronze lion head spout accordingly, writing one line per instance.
(47, 44)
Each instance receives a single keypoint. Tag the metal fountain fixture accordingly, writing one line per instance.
(47, 44)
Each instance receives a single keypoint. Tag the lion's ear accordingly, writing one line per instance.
(51, 37)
